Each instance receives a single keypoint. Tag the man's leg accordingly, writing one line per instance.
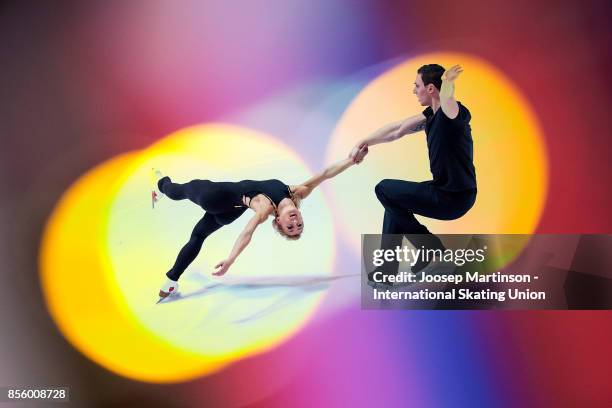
(206, 226)
(392, 238)
(405, 198)
(402, 199)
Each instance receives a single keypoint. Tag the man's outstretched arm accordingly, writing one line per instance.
(391, 132)
(448, 104)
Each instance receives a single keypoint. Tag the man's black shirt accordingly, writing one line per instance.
(451, 152)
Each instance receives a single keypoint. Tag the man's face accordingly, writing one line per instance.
(422, 92)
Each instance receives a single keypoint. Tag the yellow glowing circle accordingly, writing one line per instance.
(105, 251)
(509, 155)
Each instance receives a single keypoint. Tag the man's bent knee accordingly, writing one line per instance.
(381, 189)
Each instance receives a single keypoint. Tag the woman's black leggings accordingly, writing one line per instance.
(208, 195)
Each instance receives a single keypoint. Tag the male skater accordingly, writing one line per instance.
(452, 191)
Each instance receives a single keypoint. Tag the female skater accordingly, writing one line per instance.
(224, 202)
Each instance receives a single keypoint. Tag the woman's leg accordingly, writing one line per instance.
(206, 226)
(177, 191)
(213, 197)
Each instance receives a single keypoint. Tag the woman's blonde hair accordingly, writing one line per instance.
(277, 228)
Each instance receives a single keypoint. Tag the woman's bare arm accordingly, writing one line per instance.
(241, 242)
(304, 189)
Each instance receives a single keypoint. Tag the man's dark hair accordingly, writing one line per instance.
(431, 74)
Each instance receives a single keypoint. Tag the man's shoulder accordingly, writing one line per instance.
(462, 106)
(464, 112)
(428, 112)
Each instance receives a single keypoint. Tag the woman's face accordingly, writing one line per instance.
(291, 222)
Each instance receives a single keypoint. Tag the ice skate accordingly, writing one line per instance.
(156, 194)
(169, 288)
(384, 284)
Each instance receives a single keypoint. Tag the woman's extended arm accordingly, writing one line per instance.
(241, 242)
(304, 189)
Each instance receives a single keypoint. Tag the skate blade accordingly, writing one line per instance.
(164, 295)
(154, 199)
(379, 285)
